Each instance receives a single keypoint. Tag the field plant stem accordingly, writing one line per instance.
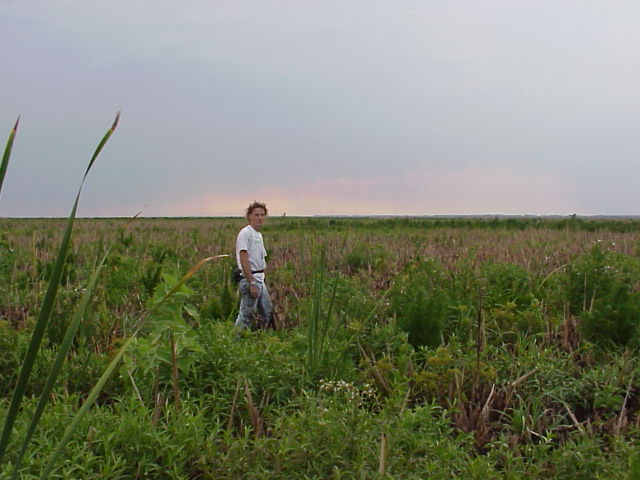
(623, 409)
(573, 417)
(157, 398)
(313, 334)
(174, 369)
(383, 455)
(479, 342)
(135, 387)
(254, 414)
(234, 404)
(325, 324)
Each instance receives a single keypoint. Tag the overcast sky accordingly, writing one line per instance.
(322, 107)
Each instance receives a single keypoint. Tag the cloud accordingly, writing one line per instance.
(427, 191)
(345, 107)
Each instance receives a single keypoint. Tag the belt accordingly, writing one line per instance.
(257, 271)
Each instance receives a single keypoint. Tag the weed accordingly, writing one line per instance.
(601, 289)
(419, 302)
(488, 389)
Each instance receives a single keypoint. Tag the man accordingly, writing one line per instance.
(250, 255)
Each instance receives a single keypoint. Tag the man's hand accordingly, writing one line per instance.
(253, 290)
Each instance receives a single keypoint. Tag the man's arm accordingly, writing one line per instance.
(246, 270)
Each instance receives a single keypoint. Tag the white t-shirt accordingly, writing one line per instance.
(251, 240)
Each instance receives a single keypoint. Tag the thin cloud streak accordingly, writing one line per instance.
(425, 192)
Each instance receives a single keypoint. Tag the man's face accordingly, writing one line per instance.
(256, 218)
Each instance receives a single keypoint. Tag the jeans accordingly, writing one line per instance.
(249, 305)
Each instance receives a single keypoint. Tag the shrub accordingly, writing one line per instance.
(419, 301)
(506, 283)
(449, 373)
(365, 257)
(614, 319)
(121, 273)
(506, 321)
(171, 345)
(220, 303)
(270, 361)
(596, 274)
(423, 318)
(600, 289)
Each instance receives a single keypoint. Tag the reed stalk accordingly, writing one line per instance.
(174, 369)
(319, 322)
(319, 338)
(44, 314)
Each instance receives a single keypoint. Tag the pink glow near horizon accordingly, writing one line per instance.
(426, 192)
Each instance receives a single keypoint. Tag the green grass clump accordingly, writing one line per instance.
(419, 301)
(601, 289)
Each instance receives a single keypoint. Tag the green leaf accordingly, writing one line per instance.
(45, 311)
(7, 153)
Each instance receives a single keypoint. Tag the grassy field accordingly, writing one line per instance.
(405, 348)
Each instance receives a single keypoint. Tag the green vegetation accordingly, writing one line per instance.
(444, 352)
(405, 348)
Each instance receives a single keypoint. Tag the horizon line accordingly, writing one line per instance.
(390, 216)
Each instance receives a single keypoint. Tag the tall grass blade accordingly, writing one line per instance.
(326, 321)
(101, 145)
(45, 311)
(313, 332)
(95, 391)
(318, 338)
(60, 357)
(7, 153)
